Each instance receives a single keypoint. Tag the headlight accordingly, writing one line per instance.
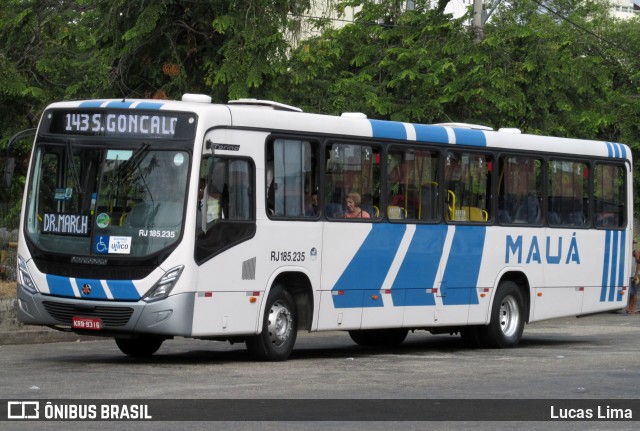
(24, 277)
(163, 287)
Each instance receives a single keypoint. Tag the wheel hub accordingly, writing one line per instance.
(509, 316)
(280, 323)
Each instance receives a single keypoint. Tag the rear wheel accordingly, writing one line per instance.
(379, 337)
(507, 318)
(141, 346)
(279, 328)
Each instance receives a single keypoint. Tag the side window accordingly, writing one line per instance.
(468, 186)
(352, 180)
(226, 213)
(292, 179)
(609, 193)
(568, 193)
(520, 190)
(412, 185)
(227, 191)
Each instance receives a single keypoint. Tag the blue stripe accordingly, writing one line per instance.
(426, 133)
(60, 286)
(609, 149)
(614, 257)
(459, 284)
(119, 104)
(623, 259)
(388, 129)
(92, 104)
(470, 137)
(97, 291)
(369, 266)
(623, 151)
(616, 150)
(149, 105)
(123, 290)
(605, 266)
(419, 268)
(124, 104)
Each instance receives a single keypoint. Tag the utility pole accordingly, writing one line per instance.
(478, 22)
(480, 17)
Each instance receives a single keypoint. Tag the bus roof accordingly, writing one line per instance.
(260, 114)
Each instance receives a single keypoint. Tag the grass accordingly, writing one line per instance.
(7, 288)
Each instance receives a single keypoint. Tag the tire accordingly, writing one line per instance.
(279, 328)
(507, 318)
(379, 337)
(142, 346)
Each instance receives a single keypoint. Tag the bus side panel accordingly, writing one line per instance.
(225, 285)
(585, 271)
(394, 275)
(227, 282)
(346, 272)
(611, 263)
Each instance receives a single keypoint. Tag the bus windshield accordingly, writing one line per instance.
(87, 200)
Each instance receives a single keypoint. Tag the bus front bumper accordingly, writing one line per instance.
(172, 316)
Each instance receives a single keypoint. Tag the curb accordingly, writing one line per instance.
(14, 332)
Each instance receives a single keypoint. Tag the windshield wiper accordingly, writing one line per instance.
(129, 167)
(74, 171)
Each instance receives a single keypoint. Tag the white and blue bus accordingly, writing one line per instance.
(145, 220)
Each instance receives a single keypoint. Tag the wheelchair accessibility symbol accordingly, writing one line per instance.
(102, 244)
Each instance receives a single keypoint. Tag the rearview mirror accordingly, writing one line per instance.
(10, 164)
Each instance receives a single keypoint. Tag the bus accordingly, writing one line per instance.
(145, 220)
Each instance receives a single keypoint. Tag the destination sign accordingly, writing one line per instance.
(66, 224)
(133, 123)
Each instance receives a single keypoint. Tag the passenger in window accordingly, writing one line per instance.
(313, 209)
(352, 204)
(216, 195)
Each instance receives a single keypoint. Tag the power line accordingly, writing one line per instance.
(586, 30)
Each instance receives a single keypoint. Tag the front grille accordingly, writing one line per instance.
(110, 272)
(111, 316)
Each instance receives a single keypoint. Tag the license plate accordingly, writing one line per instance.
(89, 323)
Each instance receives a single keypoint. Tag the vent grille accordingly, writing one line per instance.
(66, 269)
(249, 269)
(111, 316)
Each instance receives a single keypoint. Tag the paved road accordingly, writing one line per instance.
(596, 357)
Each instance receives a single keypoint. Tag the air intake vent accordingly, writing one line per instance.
(249, 269)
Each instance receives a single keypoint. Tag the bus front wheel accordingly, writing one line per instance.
(141, 346)
(507, 318)
(279, 328)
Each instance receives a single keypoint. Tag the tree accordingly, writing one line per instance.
(391, 63)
